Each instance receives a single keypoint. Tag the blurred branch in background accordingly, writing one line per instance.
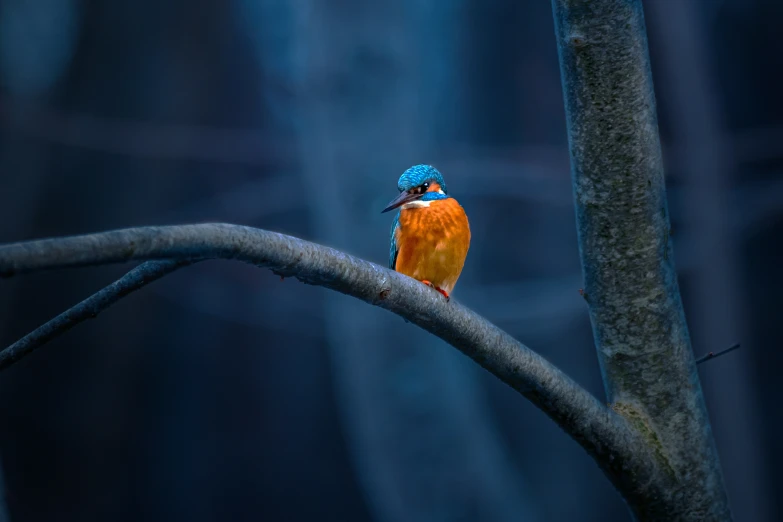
(543, 170)
(144, 139)
(246, 146)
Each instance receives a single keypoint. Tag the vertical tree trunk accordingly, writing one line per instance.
(630, 284)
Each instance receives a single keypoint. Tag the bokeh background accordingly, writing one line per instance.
(220, 392)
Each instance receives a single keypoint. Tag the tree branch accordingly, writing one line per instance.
(89, 308)
(620, 450)
(711, 355)
(624, 235)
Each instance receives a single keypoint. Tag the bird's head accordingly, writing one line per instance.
(418, 186)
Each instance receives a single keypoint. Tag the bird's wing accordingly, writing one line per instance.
(393, 248)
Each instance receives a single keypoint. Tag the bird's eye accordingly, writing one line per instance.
(421, 189)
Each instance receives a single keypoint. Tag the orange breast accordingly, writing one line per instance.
(433, 242)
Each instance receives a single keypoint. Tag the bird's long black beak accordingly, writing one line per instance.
(400, 200)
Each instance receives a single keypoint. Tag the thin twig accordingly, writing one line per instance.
(89, 308)
(712, 355)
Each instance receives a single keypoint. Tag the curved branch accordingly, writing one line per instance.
(620, 450)
(89, 308)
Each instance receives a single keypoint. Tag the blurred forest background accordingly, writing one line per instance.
(222, 393)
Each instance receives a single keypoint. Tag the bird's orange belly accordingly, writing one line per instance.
(433, 243)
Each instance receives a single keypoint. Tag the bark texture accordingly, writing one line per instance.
(630, 283)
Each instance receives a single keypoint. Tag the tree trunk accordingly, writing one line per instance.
(631, 288)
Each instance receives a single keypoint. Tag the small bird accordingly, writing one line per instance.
(430, 235)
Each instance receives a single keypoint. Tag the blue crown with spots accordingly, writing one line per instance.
(418, 174)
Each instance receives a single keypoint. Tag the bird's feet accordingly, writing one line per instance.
(443, 292)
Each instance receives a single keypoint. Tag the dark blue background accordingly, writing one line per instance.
(222, 393)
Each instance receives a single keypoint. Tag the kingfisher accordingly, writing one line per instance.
(430, 235)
